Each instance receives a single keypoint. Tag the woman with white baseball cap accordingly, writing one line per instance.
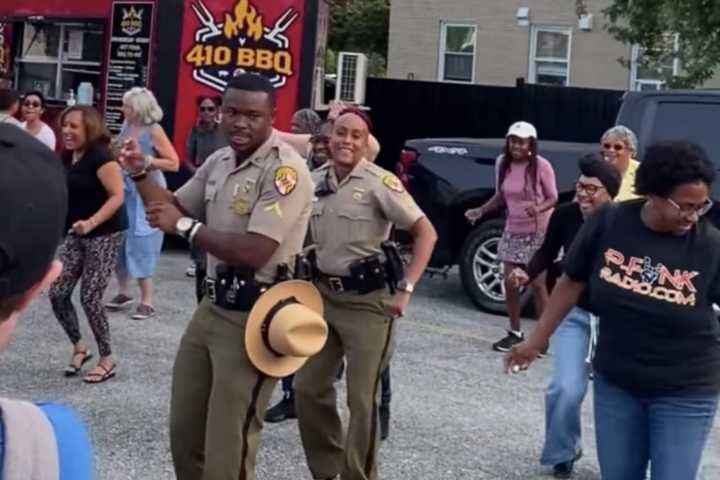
(525, 186)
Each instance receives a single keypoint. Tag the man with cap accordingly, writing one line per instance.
(571, 344)
(248, 206)
(357, 204)
(45, 440)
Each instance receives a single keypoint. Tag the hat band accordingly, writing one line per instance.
(265, 326)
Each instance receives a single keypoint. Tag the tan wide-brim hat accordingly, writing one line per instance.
(285, 328)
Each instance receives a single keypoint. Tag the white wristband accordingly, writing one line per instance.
(193, 232)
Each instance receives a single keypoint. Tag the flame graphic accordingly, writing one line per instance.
(244, 14)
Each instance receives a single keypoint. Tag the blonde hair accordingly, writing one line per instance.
(144, 105)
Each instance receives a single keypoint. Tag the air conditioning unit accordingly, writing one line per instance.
(351, 78)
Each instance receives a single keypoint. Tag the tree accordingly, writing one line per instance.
(651, 23)
(361, 26)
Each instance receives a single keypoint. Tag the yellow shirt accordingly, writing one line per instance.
(627, 187)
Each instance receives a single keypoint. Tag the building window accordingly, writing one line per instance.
(550, 55)
(57, 57)
(645, 75)
(457, 52)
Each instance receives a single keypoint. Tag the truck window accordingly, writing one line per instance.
(689, 121)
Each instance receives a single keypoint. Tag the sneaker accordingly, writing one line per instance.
(284, 410)
(507, 343)
(191, 271)
(119, 302)
(565, 469)
(143, 312)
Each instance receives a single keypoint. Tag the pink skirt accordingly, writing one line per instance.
(519, 247)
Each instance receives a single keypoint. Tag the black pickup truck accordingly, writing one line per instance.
(449, 175)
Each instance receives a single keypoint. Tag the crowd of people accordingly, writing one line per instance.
(297, 279)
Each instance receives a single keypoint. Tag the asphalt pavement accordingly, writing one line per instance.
(455, 414)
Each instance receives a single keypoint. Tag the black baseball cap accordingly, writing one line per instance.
(33, 207)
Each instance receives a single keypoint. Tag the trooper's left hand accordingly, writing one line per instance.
(163, 215)
(399, 304)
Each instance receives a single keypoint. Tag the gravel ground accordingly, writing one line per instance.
(454, 413)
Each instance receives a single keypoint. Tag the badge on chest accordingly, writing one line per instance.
(240, 203)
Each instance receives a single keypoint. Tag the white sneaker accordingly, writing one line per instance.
(191, 270)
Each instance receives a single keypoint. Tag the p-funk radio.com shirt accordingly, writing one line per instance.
(653, 293)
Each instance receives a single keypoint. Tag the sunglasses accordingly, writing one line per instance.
(32, 104)
(688, 210)
(587, 189)
(207, 109)
(617, 147)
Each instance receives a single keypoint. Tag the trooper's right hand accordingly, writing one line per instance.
(521, 356)
(519, 277)
(474, 214)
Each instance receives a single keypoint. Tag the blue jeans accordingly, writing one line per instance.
(669, 433)
(565, 394)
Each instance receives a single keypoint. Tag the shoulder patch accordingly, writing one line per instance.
(286, 179)
(392, 182)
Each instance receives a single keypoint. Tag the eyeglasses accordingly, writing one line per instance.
(587, 189)
(207, 109)
(688, 210)
(618, 147)
(32, 104)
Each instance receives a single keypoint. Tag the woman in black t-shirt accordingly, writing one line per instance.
(652, 271)
(95, 223)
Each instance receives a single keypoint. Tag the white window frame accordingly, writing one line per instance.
(635, 82)
(61, 63)
(532, 59)
(442, 52)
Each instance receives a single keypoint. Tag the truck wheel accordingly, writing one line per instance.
(480, 272)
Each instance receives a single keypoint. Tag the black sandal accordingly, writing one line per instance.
(72, 370)
(94, 377)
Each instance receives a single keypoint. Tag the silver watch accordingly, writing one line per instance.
(405, 286)
(184, 225)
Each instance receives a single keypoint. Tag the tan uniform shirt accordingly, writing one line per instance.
(352, 222)
(269, 193)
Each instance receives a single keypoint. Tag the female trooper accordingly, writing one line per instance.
(356, 205)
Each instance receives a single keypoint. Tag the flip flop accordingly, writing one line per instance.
(93, 377)
(72, 370)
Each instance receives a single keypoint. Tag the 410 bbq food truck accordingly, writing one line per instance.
(180, 49)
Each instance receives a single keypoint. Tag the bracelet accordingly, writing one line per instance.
(193, 231)
(139, 175)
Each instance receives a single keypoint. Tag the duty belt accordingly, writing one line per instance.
(211, 288)
(339, 284)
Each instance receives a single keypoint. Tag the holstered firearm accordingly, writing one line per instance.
(394, 267)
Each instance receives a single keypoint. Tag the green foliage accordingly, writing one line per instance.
(651, 23)
(361, 26)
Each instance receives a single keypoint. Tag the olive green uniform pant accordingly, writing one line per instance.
(218, 399)
(359, 330)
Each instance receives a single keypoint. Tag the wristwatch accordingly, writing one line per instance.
(405, 286)
(184, 225)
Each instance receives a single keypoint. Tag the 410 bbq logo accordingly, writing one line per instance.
(241, 42)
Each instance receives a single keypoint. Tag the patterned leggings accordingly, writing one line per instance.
(93, 260)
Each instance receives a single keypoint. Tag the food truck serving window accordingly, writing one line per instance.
(55, 57)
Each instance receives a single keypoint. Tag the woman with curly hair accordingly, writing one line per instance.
(651, 268)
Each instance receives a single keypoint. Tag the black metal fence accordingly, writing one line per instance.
(405, 109)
